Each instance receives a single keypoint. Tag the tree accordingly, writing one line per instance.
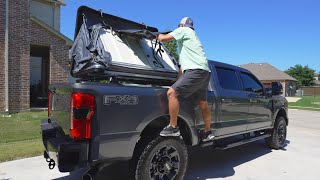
(303, 74)
(172, 47)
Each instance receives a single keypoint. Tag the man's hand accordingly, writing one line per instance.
(165, 37)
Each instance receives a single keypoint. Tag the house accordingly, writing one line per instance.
(317, 80)
(33, 52)
(267, 74)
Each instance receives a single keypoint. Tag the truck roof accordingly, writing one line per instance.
(229, 66)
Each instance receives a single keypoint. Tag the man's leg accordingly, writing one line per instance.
(206, 115)
(189, 83)
(206, 134)
(172, 129)
(173, 107)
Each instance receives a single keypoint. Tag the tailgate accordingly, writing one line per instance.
(67, 133)
(59, 106)
(72, 107)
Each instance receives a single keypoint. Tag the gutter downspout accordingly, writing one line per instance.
(6, 57)
(53, 17)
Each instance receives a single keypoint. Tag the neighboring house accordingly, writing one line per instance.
(317, 80)
(37, 52)
(267, 74)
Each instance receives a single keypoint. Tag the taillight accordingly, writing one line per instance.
(82, 109)
(49, 103)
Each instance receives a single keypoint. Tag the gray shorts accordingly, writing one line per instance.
(193, 83)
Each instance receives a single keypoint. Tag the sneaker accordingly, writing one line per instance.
(206, 136)
(170, 131)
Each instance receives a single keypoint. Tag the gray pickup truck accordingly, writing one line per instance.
(92, 124)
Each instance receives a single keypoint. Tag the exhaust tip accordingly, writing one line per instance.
(86, 177)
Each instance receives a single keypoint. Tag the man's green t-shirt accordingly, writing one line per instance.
(191, 53)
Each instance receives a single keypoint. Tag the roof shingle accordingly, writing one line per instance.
(265, 71)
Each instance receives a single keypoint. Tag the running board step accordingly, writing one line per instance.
(243, 142)
(205, 144)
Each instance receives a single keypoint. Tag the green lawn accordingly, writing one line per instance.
(20, 135)
(20, 149)
(307, 102)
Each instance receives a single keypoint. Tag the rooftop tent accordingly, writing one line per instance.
(110, 46)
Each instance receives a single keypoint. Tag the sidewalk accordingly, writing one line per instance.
(293, 99)
(306, 108)
(28, 169)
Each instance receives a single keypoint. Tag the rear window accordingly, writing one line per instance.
(228, 78)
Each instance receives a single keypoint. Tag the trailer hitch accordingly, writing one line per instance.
(51, 164)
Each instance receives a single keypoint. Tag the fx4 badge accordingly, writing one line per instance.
(120, 99)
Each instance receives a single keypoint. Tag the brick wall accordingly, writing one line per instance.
(23, 32)
(19, 55)
(59, 63)
(2, 35)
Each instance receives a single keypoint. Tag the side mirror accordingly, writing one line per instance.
(268, 92)
(276, 88)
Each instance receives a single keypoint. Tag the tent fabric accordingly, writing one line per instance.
(138, 33)
(88, 48)
(99, 51)
(141, 33)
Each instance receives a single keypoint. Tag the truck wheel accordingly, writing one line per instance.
(278, 136)
(163, 158)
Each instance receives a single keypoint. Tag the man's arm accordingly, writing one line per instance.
(165, 37)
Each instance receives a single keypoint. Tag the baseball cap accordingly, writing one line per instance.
(187, 22)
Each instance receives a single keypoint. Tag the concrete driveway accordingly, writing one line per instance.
(299, 160)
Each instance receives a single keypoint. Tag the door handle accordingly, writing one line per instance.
(227, 100)
(253, 100)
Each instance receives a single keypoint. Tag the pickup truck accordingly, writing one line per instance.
(93, 124)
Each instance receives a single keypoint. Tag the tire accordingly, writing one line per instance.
(163, 157)
(277, 140)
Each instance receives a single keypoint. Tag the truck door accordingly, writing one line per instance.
(260, 106)
(233, 103)
(212, 106)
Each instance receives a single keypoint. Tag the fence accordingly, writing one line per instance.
(311, 91)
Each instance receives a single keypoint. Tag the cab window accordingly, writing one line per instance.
(228, 78)
(250, 83)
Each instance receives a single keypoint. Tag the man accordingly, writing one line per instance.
(193, 78)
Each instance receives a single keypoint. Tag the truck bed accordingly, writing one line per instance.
(122, 112)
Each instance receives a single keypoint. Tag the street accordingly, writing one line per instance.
(299, 160)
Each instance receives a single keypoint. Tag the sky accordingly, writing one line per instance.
(280, 32)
